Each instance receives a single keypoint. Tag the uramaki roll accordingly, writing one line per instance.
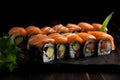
(60, 28)
(75, 43)
(61, 45)
(47, 30)
(85, 26)
(18, 34)
(105, 42)
(89, 43)
(41, 48)
(73, 28)
(33, 30)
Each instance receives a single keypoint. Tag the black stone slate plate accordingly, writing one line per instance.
(105, 63)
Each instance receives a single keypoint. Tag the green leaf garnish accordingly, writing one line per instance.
(105, 23)
(8, 53)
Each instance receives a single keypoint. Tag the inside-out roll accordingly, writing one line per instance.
(60, 29)
(44, 48)
(89, 44)
(105, 42)
(74, 28)
(60, 45)
(85, 27)
(18, 34)
(47, 30)
(75, 43)
(32, 30)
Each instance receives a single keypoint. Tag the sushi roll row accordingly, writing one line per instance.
(62, 42)
(105, 42)
(70, 45)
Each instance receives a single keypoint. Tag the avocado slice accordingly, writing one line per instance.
(76, 46)
(50, 51)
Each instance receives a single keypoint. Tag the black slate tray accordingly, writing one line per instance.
(96, 68)
(106, 63)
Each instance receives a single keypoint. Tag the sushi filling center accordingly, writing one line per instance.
(48, 50)
(89, 48)
(76, 48)
(61, 50)
(18, 40)
(104, 47)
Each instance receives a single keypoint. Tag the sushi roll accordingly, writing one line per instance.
(18, 34)
(97, 26)
(105, 42)
(33, 30)
(60, 45)
(41, 48)
(47, 30)
(85, 26)
(75, 43)
(89, 44)
(60, 29)
(73, 28)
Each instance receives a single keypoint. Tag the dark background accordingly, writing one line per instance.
(49, 13)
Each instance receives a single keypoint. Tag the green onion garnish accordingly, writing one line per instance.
(105, 23)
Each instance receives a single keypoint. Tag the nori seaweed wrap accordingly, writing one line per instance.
(44, 46)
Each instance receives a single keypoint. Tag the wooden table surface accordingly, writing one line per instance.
(61, 76)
